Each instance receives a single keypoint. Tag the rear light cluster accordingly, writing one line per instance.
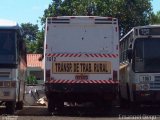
(115, 75)
(8, 84)
(48, 75)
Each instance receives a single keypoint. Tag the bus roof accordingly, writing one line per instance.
(147, 26)
(139, 27)
(8, 24)
(84, 17)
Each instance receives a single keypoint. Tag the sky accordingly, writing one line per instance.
(155, 5)
(24, 11)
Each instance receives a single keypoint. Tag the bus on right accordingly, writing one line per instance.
(140, 66)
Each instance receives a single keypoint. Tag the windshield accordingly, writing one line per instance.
(147, 55)
(7, 47)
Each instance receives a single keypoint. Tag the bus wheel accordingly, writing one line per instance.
(108, 107)
(104, 106)
(134, 106)
(51, 105)
(19, 105)
(10, 107)
(59, 105)
(123, 102)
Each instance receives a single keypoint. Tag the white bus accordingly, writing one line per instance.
(12, 66)
(81, 60)
(140, 66)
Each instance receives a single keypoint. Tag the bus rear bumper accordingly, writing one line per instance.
(7, 94)
(146, 96)
(82, 92)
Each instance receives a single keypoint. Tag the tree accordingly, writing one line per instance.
(31, 46)
(130, 13)
(155, 18)
(40, 40)
(33, 37)
(133, 13)
(30, 31)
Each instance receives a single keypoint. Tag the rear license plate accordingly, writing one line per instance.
(81, 77)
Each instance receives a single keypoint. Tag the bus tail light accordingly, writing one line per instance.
(1, 84)
(115, 75)
(6, 84)
(48, 75)
(13, 84)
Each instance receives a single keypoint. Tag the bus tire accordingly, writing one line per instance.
(134, 106)
(19, 105)
(103, 107)
(10, 107)
(59, 105)
(51, 105)
(108, 107)
(123, 102)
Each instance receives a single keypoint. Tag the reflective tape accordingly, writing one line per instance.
(86, 55)
(85, 81)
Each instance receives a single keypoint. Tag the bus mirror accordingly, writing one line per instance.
(129, 54)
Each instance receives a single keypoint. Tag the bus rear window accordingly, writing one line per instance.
(7, 46)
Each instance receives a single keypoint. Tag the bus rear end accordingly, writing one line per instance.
(81, 60)
(12, 66)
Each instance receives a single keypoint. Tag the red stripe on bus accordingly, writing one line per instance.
(79, 55)
(85, 81)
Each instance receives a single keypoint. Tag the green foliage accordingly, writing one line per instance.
(40, 40)
(31, 80)
(33, 37)
(133, 13)
(130, 13)
(31, 46)
(155, 18)
(30, 31)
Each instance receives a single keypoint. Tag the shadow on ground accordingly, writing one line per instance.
(86, 112)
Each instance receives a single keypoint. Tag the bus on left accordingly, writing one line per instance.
(12, 66)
